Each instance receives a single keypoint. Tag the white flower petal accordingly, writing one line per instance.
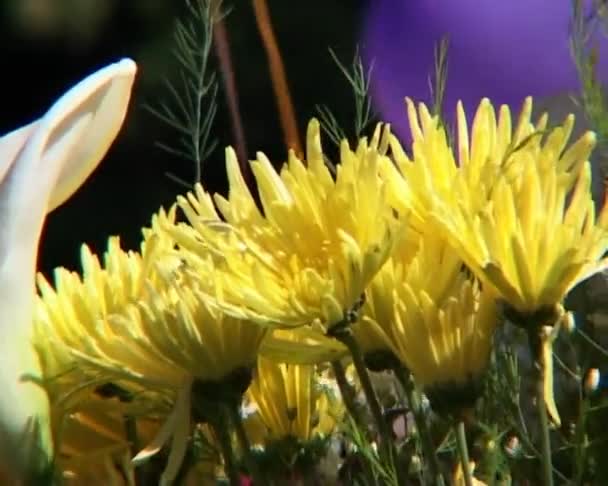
(41, 165)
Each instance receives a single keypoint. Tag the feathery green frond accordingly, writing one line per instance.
(359, 80)
(593, 97)
(438, 81)
(193, 106)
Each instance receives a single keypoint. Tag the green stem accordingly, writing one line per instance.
(188, 463)
(386, 440)
(463, 452)
(347, 392)
(581, 444)
(366, 384)
(131, 431)
(241, 434)
(538, 342)
(544, 427)
(132, 436)
(415, 403)
(220, 427)
(350, 402)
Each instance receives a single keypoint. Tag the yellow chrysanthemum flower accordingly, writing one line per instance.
(517, 206)
(289, 403)
(379, 304)
(291, 411)
(136, 323)
(93, 447)
(89, 414)
(437, 322)
(126, 318)
(440, 177)
(312, 248)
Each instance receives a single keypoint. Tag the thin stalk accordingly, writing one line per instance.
(386, 440)
(347, 392)
(277, 74)
(415, 403)
(530, 445)
(241, 434)
(581, 442)
(188, 463)
(220, 427)
(540, 340)
(133, 438)
(366, 384)
(222, 51)
(350, 402)
(463, 452)
(544, 427)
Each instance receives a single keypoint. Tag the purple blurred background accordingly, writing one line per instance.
(505, 50)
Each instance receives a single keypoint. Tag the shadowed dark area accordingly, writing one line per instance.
(41, 62)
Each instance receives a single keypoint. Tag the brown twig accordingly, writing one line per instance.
(222, 51)
(279, 79)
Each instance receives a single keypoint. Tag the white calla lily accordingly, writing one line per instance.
(41, 166)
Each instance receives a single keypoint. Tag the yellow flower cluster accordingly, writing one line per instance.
(431, 241)
(195, 304)
(289, 401)
(514, 204)
(438, 323)
(311, 249)
(130, 322)
(141, 325)
(517, 205)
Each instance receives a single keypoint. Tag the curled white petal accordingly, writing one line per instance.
(42, 165)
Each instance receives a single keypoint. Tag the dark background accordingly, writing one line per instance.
(46, 46)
